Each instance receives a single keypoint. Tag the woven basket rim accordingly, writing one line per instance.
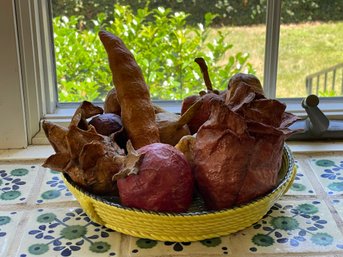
(282, 183)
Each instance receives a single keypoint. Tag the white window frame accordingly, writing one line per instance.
(13, 130)
(30, 84)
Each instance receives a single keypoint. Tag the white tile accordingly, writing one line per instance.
(329, 171)
(291, 227)
(53, 189)
(338, 205)
(301, 185)
(67, 232)
(146, 247)
(8, 228)
(16, 182)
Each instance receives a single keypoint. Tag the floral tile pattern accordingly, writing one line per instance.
(53, 188)
(16, 182)
(146, 247)
(67, 232)
(301, 226)
(338, 204)
(301, 185)
(8, 224)
(329, 171)
(295, 227)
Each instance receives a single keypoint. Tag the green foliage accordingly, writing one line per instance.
(163, 44)
(234, 12)
(327, 93)
(82, 74)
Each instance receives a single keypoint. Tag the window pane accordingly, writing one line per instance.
(165, 38)
(310, 51)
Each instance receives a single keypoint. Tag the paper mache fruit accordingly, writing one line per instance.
(106, 123)
(158, 179)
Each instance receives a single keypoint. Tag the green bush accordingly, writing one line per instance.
(235, 12)
(80, 68)
(163, 44)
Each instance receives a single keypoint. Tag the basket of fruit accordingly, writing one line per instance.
(195, 224)
(214, 169)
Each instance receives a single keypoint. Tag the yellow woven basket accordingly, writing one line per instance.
(191, 226)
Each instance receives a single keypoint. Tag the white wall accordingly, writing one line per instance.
(12, 115)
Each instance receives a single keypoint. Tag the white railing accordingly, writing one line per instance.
(328, 82)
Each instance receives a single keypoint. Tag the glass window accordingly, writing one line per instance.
(310, 50)
(165, 38)
(76, 66)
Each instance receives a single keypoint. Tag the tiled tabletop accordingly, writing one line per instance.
(40, 217)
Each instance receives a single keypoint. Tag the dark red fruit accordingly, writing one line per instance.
(164, 181)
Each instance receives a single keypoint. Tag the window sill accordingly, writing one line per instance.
(332, 107)
(41, 152)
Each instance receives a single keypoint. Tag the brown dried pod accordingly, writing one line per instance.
(98, 160)
(266, 111)
(221, 152)
(83, 112)
(265, 161)
(111, 104)
(186, 146)
(90, 159)
(203, 113)
(255, 107)
(239, 96)
(90, 162)
(249, 79)
(247, 124)
(56, 135)
(137, 111)
(172, 127)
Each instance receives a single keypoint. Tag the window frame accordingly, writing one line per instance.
(34, 40)
(13, 128)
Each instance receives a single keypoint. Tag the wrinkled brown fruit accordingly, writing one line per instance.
(111, 104)
(238, 151)
(249, 79)
(137, 111)
(203, 113)
(220, 154)
(172, 127)
(186, 146)
(90, 159)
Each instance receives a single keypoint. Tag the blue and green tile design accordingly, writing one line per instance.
(300, 223)
(67, 232)
(301, 184)
(8, 224)
(329, 172)
(147, 247)
(338, 205)
(16, 182)
(53, 188)
(295, 227)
